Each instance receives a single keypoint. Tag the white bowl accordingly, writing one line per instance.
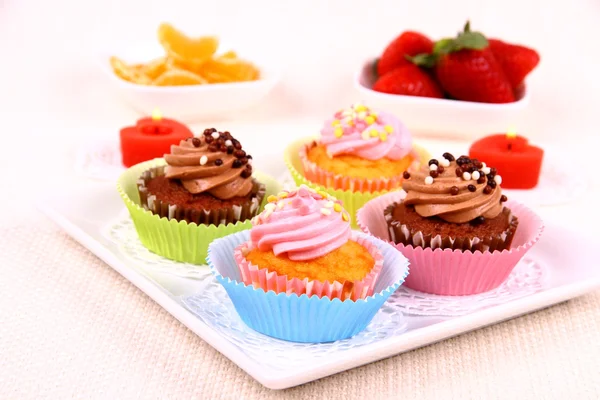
(185, 103)
(429, 116)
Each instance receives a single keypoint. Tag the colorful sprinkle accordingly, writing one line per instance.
(337, 207)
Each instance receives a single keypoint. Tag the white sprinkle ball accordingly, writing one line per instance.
(228, 143)
(466, 176)
(325, 211)
(329, 204)
(486, 170)
(483, 165)
(203, 160)
(433, 167)
(476, 175)
(266, 214)
(270, 207)
(215, 135)
(428, 180)
(444, 162)
(280, 204)
(249, 161)
(498, 179)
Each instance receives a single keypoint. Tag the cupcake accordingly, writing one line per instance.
(455, 226)
(359, 154)
(453, 204)
(359, 150)
(203, 189)
(301, 257)
(207, 180)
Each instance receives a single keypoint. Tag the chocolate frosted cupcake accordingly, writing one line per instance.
(207, 180)
(452, 204)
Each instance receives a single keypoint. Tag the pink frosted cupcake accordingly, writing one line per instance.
(359, 150)
(302, 243)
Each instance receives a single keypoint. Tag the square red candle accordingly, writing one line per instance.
(151, 138)
(518, 162)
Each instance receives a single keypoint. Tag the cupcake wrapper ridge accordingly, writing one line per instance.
(228, 215)
(269, 280)
(352, 200)
(455, 272)
(402, 234)
(172, 239)
(301, 318)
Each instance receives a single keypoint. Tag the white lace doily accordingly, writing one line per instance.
(213, 306)
(557, 185)
(122, 233)
(527, 278)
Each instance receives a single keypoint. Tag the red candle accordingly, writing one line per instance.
(518, 162)
(151, 138)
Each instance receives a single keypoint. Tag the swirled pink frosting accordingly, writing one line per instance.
(303, 224)
(366, 133)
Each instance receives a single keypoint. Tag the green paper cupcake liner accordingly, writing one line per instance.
(177, 240)
(352, 201)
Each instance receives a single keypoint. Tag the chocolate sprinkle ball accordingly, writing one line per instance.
(448, 157)
(406, 175)
(196, 142)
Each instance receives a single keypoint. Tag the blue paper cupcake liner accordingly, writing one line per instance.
(302, 318)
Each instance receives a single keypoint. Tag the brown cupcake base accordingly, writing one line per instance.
(170, 200)
(407, 227)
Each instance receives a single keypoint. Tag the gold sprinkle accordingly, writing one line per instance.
(374, 133)
(370, 120)
(337, 207)
(388, 128)
(383, 136)
(374, 114)
(360, 107)
(335, 122)
(350, 123)
(272, 198)
(323, 194)
(345, 217)
(283, 195)
(338, 132)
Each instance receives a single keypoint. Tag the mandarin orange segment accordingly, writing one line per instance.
(179, 77)
(184, 48)
(130, 73)
(155, 68)
(223, 70)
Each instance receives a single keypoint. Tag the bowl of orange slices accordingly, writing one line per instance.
(188, 78)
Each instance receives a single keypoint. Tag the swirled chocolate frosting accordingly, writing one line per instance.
(213, 163)
(455, 190)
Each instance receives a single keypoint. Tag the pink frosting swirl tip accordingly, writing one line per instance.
(304, 224)
(365, 133)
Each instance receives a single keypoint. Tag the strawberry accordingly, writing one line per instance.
(409, 43)
(408, 80)
(467, 70)
(516, 61)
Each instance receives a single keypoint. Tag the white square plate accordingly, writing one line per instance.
(561, 266)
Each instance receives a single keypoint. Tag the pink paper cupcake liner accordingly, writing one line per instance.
(454, 272)
(317, 175)
(269, 280)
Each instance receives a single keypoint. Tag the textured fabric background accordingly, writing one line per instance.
(72, 327)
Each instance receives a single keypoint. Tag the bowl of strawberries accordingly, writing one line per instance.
(467, 85)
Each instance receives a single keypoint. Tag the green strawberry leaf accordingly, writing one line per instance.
(471, 40)
(422, 60)
(444, 46)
